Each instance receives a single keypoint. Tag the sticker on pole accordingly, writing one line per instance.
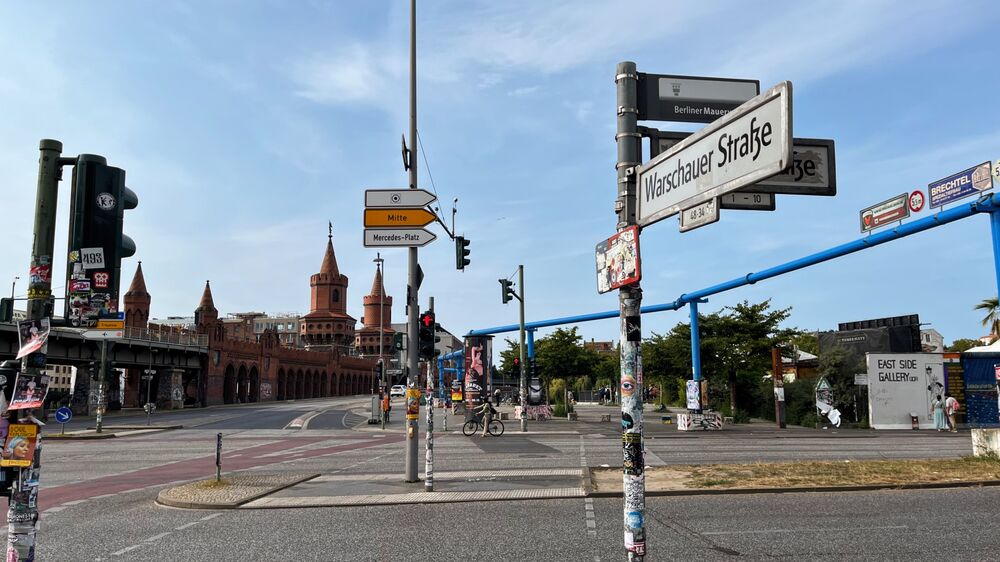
(618, 260)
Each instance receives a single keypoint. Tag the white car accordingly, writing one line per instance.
(397, 390)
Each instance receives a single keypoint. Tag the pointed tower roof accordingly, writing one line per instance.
(206, 298)
(377, 287)
(329, 266)
(138, 286)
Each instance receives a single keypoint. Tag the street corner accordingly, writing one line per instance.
(230, 492)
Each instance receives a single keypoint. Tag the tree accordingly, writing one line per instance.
(962, 344)
(992, 318)
(560, 355)
(806, 341)
(839, 366)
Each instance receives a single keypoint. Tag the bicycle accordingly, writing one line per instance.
(475, 425)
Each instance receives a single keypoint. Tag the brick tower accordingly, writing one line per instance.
(368, 337)
(137, 302)
(206, 313)
(328, 326)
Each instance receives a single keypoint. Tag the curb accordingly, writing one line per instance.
(798, 490)
(78, 436)
(161, 499)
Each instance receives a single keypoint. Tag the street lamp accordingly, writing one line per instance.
(379, 262)
(12, 285)
(148, 377)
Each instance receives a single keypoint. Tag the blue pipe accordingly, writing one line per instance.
(989, 203)
(531, 345)
(995, 228)
(695, 343)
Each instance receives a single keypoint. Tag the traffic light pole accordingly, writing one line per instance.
(429, 443)
(22, 516)
(524, 379)
(630, 302)
(413, 362)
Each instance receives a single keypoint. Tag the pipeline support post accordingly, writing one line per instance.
(995, 229)
(627, 139)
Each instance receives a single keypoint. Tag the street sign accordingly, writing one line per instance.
(751, 143)
(916, 201)
(890, 210)
(102, 334)
(398, 217)
(973, 181)
(813, 170)
(110, 325)
(63, 415)
(741, 201)
(861, 379)
(396, 198)
(699, 215)
(618, 260)
(692, 99)
(397, 237)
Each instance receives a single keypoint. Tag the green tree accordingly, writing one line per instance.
(962, 344)
(806, 341)
(839, 366)
(992, 318)
(560, 355)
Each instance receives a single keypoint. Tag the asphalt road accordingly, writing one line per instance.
(956, 524)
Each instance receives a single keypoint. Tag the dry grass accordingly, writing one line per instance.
(843, 473)
(212, 483)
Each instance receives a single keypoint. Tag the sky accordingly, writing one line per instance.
(244, 127)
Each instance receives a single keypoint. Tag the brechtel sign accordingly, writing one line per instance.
(751, 143)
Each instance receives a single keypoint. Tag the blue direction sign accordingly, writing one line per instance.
(64, 414)
(956, 186)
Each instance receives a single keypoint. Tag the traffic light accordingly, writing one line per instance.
(6, 310)
(461, 252)
(379, 370)
(425, 335)
(96, 243)
(507, 290)
(397, 341)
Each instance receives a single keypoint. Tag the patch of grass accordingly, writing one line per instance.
(213, 484)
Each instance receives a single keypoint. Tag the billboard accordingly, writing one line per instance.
(901, 384)
(478, 360)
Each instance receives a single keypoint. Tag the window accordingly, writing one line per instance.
(335, 296)
(289, 326)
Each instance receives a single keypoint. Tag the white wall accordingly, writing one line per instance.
(898, 384)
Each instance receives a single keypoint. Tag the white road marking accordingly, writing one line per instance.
(74, 502)
(819, 530)
(186, 525)
(126, 549)
(56, 509)
(210, 516)
(155, 538)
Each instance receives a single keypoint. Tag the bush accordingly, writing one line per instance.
(559, 411)
(741, 416)
(557, 390)
(809, 420)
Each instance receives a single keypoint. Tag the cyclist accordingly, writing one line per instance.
(486, 411)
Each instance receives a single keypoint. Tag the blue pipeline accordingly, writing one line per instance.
(695, 343)
(986, 204)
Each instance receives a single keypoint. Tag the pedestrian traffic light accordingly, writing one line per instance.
(461, 252)
(397, 341)
(507, 290)
(425, 335)
(96, 243)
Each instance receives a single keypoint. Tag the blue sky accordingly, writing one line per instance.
(245, 126)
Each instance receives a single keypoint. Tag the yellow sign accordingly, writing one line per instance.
(398, 217)
(412, 403)
(110, 325)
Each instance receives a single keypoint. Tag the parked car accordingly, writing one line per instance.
(397, 390)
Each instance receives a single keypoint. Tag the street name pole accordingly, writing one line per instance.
(429, 458)
(524, 367)
(101, 382)
(630, 300)
(413, 361)
(22, 514)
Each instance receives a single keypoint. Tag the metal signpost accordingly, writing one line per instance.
(749, 144)
(63, 415)
(693, 99)
(888, 211)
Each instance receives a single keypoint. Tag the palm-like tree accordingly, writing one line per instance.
(992, 318)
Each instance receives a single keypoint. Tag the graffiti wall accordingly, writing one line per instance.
(901, 384)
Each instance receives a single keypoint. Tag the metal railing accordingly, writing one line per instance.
(179, 338)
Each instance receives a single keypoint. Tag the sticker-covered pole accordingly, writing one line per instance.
(413, 281)
(524, 367)
(429, 442)
(22, 515)
(630, 301)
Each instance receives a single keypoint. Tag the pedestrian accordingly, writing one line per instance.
(496, 396)
(386, 406)
(937, 408)
(951, 410)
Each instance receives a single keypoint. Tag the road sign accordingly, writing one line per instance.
(618, 260)
(699, 215)
(63, 415)
(110, 325)
(741, 201)
(861, 379)
(692, 99)
(751, 143)
(973, 181)
(102, 334)
(398, 217)
(916, 201)
(890, 210)
(813, 170)
(396, 198)
(398, 237)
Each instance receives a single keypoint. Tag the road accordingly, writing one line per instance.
(97, 496)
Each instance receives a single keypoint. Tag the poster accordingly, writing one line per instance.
(412, 403)
(618, 260)
(29, 391)
(693, 395)
(901, 384)
(19, 447)
(478, 358)
(33, 336)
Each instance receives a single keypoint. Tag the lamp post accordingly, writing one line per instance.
(148, 377)
(12, 285)
(379, 262)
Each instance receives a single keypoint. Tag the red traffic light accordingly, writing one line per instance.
(427, 320)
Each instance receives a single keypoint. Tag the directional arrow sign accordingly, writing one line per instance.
(396, 198)
(397, 237)
(398, 217)
(102, 334)
(751, 143)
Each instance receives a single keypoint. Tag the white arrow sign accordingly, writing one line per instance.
(390, 198)
(751, 143)
(397, 237)
(102, 334)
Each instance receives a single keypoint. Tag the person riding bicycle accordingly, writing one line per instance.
(486, 410)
